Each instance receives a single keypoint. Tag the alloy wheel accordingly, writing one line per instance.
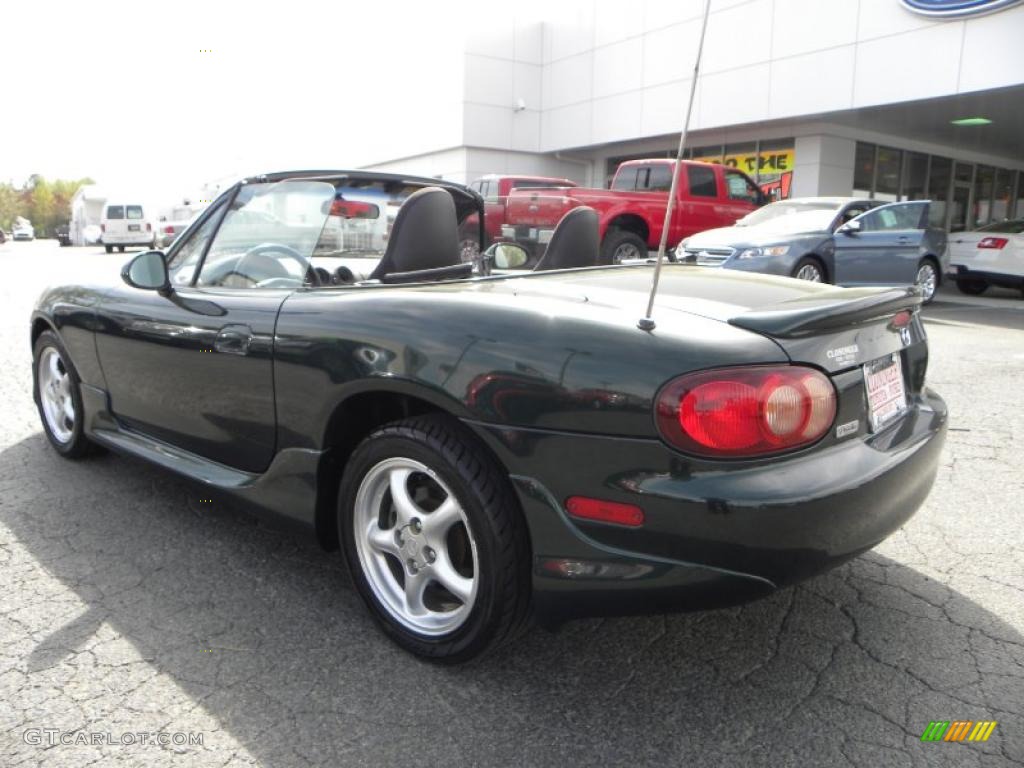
(626, 252)
(55, 395)
(415, 546)
(809, 272)
(927, 280)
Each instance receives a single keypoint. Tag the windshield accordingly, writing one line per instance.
(818, 214)
(1009, 227)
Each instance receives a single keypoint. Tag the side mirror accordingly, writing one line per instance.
(508, 255)
(148, 271)
(850, 227)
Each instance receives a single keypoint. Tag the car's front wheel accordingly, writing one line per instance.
(59, 398)
(809, 269)
(434, 539)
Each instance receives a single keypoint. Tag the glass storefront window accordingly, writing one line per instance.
(982, 208)
(964, 172)
(887, 174)
(864, 170)
(938, 189)
(915, 169)
(1003, 194)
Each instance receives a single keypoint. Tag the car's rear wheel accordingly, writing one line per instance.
(972, 287)
(434, 539)
(59, 398)
(120, 249)
(109, 248)
(809, 269)
(621, 245)
(927, 280)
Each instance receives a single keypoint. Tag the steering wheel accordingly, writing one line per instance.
(264, 248)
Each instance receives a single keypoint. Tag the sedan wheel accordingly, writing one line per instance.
(809, 270)
(415, 546)
(434, 539)
(927, 280)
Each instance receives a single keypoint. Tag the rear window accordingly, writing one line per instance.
(115, 211)
(134, 211)
(1009, 227)
(702, 181)
(657, 178)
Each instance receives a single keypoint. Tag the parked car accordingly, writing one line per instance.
(481, 448)
(494, 188)
(846, 241)
(167, 232)
(632, 212)
(23, 231)
(990, 255)
(3, 237)
(125, 224)
(63, 235)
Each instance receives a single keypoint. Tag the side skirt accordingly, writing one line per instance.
(287, 490)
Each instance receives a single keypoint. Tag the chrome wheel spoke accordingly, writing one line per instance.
(69, 410)
(58, 406)
(437, 523)
(415, 586)
(382, 539)
(405, 507)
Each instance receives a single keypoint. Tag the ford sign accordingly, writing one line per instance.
(956, 9)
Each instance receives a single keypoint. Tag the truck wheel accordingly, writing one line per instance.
(620, 245)
(109, 248)
(434, 539)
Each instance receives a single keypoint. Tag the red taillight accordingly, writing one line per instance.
(586, 508)
(993, 242)
(168, 230)
(901, 320)
(738, 412)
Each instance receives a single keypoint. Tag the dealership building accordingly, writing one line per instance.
(890, 99)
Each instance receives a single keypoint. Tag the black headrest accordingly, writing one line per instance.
(425, 234)
(574, 243)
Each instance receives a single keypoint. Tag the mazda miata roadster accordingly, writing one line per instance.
(486, 444)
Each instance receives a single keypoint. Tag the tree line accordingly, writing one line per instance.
(47, 204)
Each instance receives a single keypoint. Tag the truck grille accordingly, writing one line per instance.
(709, 256)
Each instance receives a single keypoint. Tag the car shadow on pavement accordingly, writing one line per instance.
(129, 603)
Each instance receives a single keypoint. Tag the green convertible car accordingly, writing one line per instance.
(487, 447)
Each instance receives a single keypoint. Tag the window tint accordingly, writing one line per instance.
(268, 235)
(657, 178)
(741, 188)
(115, 211)
(182, 265)
(625, 178)
(702, 181)
(893, 217)
(134, 211)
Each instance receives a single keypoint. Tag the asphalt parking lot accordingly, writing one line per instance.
(127, 605)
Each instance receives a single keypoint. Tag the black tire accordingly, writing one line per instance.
(971, 287)
(501, 601)
(809, 265)
(109, 248)
(120, 249)
(619, 243)
(77, 445)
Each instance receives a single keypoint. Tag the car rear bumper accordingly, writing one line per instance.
(1004, 279)
(134, 238)
(713, 535)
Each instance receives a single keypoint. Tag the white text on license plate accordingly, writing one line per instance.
(883, 382)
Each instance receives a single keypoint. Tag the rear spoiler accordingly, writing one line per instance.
(814, 314)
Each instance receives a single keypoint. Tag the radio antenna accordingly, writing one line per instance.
(645, 323)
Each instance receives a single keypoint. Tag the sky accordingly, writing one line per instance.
(152, 97)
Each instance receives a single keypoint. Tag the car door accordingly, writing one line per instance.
(882, 246)
(193, 366)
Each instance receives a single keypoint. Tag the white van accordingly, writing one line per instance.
(125, 224)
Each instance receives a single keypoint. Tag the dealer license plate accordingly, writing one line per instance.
(133, 227)
(887, 399)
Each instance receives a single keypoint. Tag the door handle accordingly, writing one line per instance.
(903, 239)
(233, 340)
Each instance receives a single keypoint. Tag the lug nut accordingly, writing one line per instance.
(412, 566)
(415, 525)
(429, 554)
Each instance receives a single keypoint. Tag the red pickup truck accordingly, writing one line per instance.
(495, 189)
(632, 212)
